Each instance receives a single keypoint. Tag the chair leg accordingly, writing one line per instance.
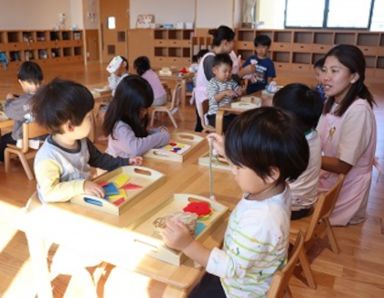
(288, 293)
(7, 160)
(26, 167)
(172, 119)
(331, 237)
(307, 269)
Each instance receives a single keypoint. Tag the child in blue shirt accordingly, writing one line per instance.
(258, 69)
(318, 67)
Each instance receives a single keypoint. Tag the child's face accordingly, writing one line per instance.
(83, 130)
(319, 75)
(222, 72)
(28, 87)
(337, 78)
(249, 181)
(262, 51)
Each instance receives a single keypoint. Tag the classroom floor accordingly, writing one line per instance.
(358, 271)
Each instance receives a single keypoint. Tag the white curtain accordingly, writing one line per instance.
(248, 11)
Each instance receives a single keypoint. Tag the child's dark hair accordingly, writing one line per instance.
(132, 94)
(222, 59)
(262, 40)
(301, 101)
(30, 72)
(200, 54)
(353, 59)
(319, 63)
(141, 64)
(267, 138)
(60, 101)
(221, 33)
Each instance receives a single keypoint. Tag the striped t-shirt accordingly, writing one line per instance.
(215, 86)
(255, 246)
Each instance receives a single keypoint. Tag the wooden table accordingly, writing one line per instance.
(173, 79)
(104, 236)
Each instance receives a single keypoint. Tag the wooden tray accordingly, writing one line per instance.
(217, 162)
(141, 181)
(144, 233)
(189, 141)
(242, 105)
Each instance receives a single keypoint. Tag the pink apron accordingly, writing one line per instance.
(352, 202)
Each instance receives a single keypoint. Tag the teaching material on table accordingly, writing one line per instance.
(145, 229)
(181, 145)
(241, 105)
(122, 188)
(218, 162)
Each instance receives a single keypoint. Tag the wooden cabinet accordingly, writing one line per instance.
(42, 46)
(299, 49)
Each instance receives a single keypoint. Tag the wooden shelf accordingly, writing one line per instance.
(42, 46)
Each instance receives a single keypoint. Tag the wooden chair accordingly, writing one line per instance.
(316, 225)
(279, 286)
(202, 109)
(30, 131)
(170, 109)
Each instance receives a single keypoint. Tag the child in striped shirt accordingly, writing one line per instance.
(265, 148)
(222, 89)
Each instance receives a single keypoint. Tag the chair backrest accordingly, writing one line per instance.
(176, 97)
(324, 206)
(281, 278)
(30, 131)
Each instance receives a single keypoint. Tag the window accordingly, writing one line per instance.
(329, 13)
(111, 23)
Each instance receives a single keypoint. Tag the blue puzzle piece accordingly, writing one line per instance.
(110, 189)
(199, 228)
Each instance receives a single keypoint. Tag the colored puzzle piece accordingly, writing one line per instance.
(131, 186)
(110, 189)
(119, 202)
(199, 228)
(121, 179)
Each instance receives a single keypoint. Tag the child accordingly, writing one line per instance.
(265, 148)
(143, 69)
(306, 105)
(193, 69)
(318, 67)
(259, 66)
(118, 69)
(62, 164)
(221, 89)
(347, 131)
(126, 120)
(17, 107)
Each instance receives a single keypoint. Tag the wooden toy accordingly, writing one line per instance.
(122, 187)
(181, 145)
(218, 162)
(242, 105)
(145, 229)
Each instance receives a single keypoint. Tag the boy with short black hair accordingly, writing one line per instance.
(17, 107)
(318, 68)
(258, 69)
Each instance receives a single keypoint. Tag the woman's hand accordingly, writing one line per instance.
(136, 161)
(94, 189)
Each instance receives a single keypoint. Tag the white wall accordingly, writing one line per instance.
(165, 11)
(214, 13)
(271, 12)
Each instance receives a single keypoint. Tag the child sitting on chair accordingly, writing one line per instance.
(17, 107)
(143, 69)
(221, 89)
(265, 148)
(126, 120)
(63, 164)
(118, 69)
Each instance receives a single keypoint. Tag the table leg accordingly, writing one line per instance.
(183, 93)
(219, 121)
(173, 292)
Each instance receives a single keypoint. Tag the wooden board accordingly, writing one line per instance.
(251, 99)
(240, 105)
(140, 182)
(184, 143)
(217, 162)
(144, 233)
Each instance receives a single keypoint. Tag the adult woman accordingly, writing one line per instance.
(347, 130)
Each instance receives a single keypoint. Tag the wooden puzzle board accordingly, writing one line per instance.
(132, 183)
(241, 105)
(144, 230)
(181, 145)
(217, 162)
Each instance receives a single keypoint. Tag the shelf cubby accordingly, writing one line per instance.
(302, 58)
(77, 51)
(380, 62)
(281, 57)
(282, 36)
(14, 56)
(54, 35)
(325, 38)
(67, 52)
(370, 61)
(55, 53)
(42, 54)
(41, 36)
(303, 37)
(368, 39)
(161, 52)
(345, 38)
(13, 36)
(246, 35)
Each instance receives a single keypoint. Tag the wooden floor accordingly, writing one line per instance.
(358, 271)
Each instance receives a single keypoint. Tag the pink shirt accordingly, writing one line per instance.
(154, 80)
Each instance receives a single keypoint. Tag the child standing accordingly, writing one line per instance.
(118, 69)
(318, 67)
(221, 89)
(306, 105)
(347, 131)
(126, 120)
(143, 69)
(17, 107)
(260, 67)
(265, 148)
(62, 164)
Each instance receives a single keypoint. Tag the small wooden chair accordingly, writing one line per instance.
(30, 131)
(279, 286)
(316, 225)
(202, 109)
(170, 109)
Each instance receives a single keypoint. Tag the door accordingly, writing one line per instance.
(92, 42)
(114, 23)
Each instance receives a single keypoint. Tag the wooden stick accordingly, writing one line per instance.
(211, 195)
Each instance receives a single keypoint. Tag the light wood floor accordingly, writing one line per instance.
(358, 271)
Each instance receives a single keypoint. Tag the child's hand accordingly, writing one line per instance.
(163, 129)
(229, 93)
(176, 235)
(136, 161)
(218, 143)
(9, 96)
(94, 189)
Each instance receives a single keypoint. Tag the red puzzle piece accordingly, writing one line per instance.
(131, 186)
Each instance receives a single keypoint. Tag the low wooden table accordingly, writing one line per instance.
(104, 236)
(174, 79)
